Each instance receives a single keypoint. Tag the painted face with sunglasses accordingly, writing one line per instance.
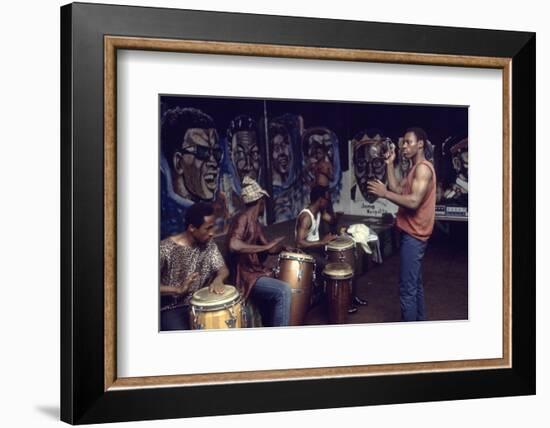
(198, 163)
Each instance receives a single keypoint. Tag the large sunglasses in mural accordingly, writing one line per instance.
(205, 153)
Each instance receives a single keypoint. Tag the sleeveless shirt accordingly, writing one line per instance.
(420, 222)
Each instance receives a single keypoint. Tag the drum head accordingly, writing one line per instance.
(338, 270)
(205, 299)
(296, 256)
(343, 242)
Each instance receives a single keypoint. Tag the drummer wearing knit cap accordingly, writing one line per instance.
(245, 242)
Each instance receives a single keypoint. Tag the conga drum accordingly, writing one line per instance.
(297, 270)
(341, 250)
(216, 311)
(338, 278)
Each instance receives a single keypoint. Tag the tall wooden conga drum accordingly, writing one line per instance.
(338, 278)
(216, 311)
(341, 250)
(297, 270)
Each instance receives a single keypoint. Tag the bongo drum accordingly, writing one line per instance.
(216, 311)
(298, 271)
(338, 278)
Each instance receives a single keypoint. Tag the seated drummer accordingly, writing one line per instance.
(245, 242)
(307, 228)
(307, 234)
(188, 261)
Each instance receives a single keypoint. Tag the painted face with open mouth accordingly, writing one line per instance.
(202, 156)
(282, 160)
(246, 154)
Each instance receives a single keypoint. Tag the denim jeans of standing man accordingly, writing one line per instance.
(277, 294)
(411, 289)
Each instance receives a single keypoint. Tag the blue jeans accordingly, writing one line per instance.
(411, 290)
(276, 293)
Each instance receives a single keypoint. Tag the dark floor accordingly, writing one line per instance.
(445, 273)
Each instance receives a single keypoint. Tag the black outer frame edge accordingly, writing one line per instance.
(66, 306)
(524, 217)
(302, 31)
(87, 403)
(165, 403)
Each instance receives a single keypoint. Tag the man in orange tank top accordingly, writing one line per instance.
(415, 196)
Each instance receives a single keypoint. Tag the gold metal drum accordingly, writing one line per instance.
(297, 270)
(338, 278)
(216, 311)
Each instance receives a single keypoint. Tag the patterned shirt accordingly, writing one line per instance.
(177, 262)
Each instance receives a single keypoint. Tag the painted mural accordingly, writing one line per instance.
(209, 144)
(284, 137)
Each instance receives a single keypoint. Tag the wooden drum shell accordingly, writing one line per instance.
(229, 314)
(338, 283)
(298, 271)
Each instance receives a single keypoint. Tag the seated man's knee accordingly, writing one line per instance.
(285, 290)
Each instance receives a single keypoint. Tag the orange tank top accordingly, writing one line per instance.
(420, 222)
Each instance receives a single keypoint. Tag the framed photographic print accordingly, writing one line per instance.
(291, 213)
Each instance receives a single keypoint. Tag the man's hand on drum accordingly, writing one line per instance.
(328, 237)
(217, 287)
(188, 282)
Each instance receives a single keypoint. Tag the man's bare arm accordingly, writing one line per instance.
(166, 289)
(420, 184)
(393, 183)
(217, 284)
(304, 224)
(238, 246)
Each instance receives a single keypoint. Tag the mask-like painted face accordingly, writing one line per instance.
(460, 163)
(246, 154)
(460, 158)
(201, 157)
(283, 207)
(369, 163)
(281, 154)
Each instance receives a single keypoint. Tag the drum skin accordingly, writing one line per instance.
(297, 270)
(338, 279)
(211, 311)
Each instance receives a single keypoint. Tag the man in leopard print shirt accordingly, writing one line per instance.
(188, 261)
